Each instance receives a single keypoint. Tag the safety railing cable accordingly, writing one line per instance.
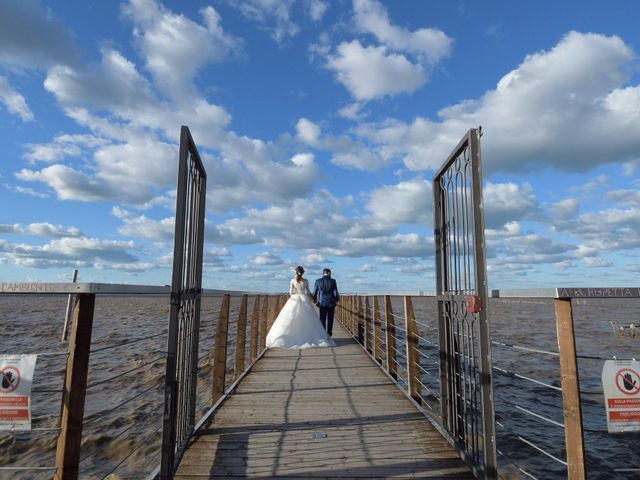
(128, 342)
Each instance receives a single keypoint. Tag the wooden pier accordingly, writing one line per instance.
(319, 413)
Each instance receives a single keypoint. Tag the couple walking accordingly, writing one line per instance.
(297, 325)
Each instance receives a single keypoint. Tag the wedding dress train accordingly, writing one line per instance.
(298, 325)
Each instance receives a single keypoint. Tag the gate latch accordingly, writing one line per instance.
(474, 303)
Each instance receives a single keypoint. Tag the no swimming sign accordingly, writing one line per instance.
(621, 385)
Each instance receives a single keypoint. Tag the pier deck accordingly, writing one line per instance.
(319, 413)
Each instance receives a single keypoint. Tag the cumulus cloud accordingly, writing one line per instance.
(13, 101)
(265, 258)
(531, 116)
(506, 202)
(42, 229)
(370, 72)
(175, 47)
(371, 17)
(408, 203)
(273, 16)
(307, 131)
(31, 36)
(316, 9)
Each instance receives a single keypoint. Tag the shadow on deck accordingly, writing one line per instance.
(319, 413)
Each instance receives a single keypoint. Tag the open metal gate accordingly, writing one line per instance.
(461, 284)
(184, 316)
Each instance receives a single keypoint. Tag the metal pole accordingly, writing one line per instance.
(67, 316)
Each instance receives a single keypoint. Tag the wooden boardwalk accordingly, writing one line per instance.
(318, 414)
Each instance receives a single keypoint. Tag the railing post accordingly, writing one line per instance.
(377, 331)
(272, 311)
(368, 328)
(263, 323)
(255, 331)
(391, 337)
(241, 334)
(75, 389)
(413, 372)
(570, 382)
(70, 302)
(220, 351)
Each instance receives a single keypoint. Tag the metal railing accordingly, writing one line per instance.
(115, 360)
(538, 396)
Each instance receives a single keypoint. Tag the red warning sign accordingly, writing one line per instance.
(16, 373)
(621, 385)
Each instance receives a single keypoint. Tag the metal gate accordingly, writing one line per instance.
(461, 284)
(184, 316)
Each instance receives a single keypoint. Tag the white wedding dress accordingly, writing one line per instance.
(298, 324)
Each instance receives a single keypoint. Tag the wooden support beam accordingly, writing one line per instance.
(263, 323)
(391, 337)
(255, 330)
(75, 389)
(220, 351)
(413, 359)
(377, 331)
(241, 334)
(570, 382)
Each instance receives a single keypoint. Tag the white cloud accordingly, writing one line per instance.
(13, 101)
(316, 9)
(63, 146)
(175, 47)
(430, 44)
(564, 209)
(408, 202)
(353, 111)
(265, 258)
(32, 36)
(531, 116)
(307, 131)
(629, 198)
(371, 72)
(506, 202)
(273, 16)
(596, 262)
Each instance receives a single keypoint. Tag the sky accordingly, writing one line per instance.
(320, 124)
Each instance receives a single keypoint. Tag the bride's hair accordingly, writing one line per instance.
(299, 271)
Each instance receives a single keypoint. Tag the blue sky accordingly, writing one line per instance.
(320, 124)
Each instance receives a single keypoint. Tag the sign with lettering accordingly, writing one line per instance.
(16, 374)
(621, 385)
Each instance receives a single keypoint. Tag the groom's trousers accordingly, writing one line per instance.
(326, 317)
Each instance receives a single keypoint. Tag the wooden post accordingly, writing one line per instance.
(263, 323)
(391, 337)
(255, 319)
(272, 311)
(220, 351)
(368, 329)
(354, 318)
(570, 382)
(67, 315)
(377, 331)
(75, 389)
(241, 334)
(413, 372)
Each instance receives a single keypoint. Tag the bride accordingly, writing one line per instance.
(298, 325)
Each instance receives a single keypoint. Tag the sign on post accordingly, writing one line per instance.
(621, 385)
(16, 374)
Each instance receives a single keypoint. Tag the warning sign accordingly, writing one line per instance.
(621, 385)
(16, 374)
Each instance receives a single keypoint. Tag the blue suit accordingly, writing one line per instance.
(326, 294)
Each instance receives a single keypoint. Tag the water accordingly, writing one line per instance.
(123, 417)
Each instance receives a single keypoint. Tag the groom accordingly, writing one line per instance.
(326, 294)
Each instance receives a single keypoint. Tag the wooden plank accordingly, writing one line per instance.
(570, 382)
(241, 332)
(220, 352)
(377, 334)
(319, 413)
(75, 389)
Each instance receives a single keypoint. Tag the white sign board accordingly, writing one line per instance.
(621, 385)
(16, 374)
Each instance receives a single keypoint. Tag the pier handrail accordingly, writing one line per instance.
(77, 381)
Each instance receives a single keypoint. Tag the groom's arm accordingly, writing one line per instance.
(335, 290)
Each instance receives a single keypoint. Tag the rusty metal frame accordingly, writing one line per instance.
(184, 316)
(461, 279)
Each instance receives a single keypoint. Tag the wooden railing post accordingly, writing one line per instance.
(220, 351)
(368, 328)
(354, 317)
(570, 383)
(272, 311)
(241, 334)
(413, 372)
(263, 323)
(255, 331)
(377, 331)
(75, 389)
(391, 337)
